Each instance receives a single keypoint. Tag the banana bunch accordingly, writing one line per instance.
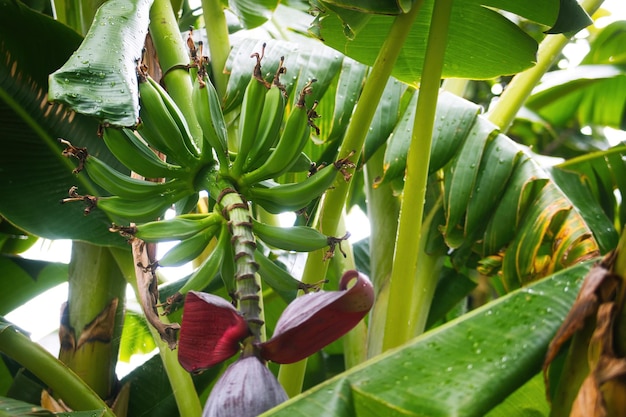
(131, 199)
(163, 126)
(207, 107)
(287, 149)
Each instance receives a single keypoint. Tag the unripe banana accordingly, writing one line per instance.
(162, 125)
(270, 122)
(251, 110)
(281, 281)
(174, 111)
(205, 273)
(206, 104)
(292, 197)
(176, 228)
(137, 156)
(139, 211)
(124, 186)
(294, 238)
(293, 139)
(189, 249)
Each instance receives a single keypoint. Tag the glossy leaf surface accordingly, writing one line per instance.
(31, 127)
(482, 42)
(465, 367)
(100, 78)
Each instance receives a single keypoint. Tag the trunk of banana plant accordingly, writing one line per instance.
(92, 318)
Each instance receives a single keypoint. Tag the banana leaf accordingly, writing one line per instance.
(574, 94)
(482, 42)
(34, 175)
(14, 408)
(28, 279)
(99, 79)
(465, 367)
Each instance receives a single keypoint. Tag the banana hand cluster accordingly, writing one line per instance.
(267, 141)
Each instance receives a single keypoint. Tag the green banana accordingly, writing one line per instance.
(279, 279)
(205, 273)
(137, 156)
(294, 196)
(162, 125)
(270, 122)
(251, 110)
(206, 104)
(293, 139)
(124, 186)
(138, 211)
(176, 228)
(294, 238)
(189, 249)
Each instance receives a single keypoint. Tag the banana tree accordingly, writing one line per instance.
(234, 115)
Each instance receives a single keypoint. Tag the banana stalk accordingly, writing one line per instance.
(91, 321)
(247, 293)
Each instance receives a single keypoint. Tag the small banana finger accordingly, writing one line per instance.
(251, 110)
(124, 210)
(294, 196)
(124, 186)
(176, 228)
(137, 156)
(189, 249)
(294, 238)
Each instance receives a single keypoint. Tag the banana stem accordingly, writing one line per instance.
(93, 317)
(504, 110)
(292, 376)
(355, 341)
(182, 385)
(63, 381)
(400, 325)
(219, 42)
(383, 208)
(236, 210)
(174, 59)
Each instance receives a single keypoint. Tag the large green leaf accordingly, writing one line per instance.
(482, 42)
(499, 203)
(34, 176)
(573, 94)
(253, 13)
(28, 279)
(466, 367)
(99, 79)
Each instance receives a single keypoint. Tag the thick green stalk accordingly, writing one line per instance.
(219, 42)
(244, 245)
(174, 58)
(52, 372)
(291, 376)
(182, 385)
(93, 317)
(503, 112)
(382, 209)
(355, 341)
(400, 325)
